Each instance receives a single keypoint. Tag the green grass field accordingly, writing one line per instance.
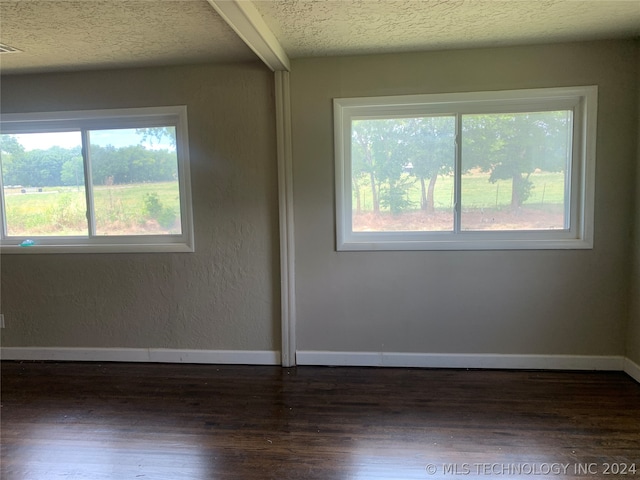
(119, 210)
(478, 192)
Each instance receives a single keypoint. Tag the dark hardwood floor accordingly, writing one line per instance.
(150, 421)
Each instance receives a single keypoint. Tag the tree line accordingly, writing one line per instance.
(57, 166)
(389, 156)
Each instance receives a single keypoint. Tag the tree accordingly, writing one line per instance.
(37, 168)
(107, 166)
(132, 164)
(379, 153)
(158, 134)
(72, 172)
(10, 152)
(432, 153)
(512, 146)
(10, 145)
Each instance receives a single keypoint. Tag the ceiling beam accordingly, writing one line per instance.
(246, 21)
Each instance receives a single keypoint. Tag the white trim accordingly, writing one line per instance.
(577, 234)
(246, 21)
(285, 205)
(151, 355)
(97, 248)
(632, 369)
(326, 358)
(461, 360)
(90, 120)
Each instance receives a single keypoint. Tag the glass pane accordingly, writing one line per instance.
(43, 178)
(135, 181)
(402, 174)
(514, 171)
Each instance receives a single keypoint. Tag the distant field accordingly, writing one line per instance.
(485, 206)
(119, 210)
(478, 192)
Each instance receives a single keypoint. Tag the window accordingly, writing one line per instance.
(96, 181)
(472, 171)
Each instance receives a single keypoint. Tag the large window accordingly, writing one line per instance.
(96, 181)
(485, 170)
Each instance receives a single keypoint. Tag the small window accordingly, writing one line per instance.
(96, 181)
(486, 170)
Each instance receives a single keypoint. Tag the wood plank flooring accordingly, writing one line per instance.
(152, 421)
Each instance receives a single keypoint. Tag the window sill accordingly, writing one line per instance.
(469, 243)
(97, 248)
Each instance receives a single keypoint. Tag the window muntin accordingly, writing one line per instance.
(134, 162)
(481, 145)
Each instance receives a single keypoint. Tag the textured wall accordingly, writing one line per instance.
(223, 296)
(526, 302)
(633, 333)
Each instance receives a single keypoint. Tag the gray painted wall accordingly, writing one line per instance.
(226, 295)
(633, 333)
(223, 296)
(526, 302)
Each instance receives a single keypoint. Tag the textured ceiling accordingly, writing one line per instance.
(62, 35)
(89, 34)
(341, 27)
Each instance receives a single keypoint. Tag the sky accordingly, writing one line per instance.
(117, 138)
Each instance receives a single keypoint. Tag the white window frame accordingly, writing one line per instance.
(581, 100)
(84, 121)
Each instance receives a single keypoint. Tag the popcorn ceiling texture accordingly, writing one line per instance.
(89, 34)
(308, 28)
(114, 33)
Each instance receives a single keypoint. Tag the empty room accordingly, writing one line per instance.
(319, 239)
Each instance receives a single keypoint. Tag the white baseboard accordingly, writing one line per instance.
(151, 355)
(443, 360)
(632, 369)
(328, 358)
